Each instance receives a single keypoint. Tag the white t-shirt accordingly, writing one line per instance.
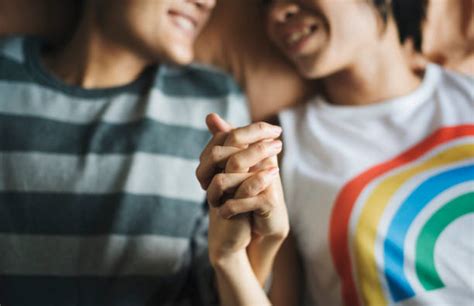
(381, 197)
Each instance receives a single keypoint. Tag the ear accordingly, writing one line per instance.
(216, 124)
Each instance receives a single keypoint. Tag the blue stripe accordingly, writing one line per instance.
(80, 214)
(20, 133)
(394, 243)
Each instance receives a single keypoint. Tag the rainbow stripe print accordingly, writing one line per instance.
(390, 225)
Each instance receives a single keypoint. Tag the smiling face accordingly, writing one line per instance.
(322, 37)
(166, 29)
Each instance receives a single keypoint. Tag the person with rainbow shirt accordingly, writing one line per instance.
(377, 170)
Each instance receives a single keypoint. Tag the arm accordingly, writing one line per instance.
(236, 282)
(245, 152)
(286, 280)
(251, 179)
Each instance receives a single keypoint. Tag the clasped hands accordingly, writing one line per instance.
(239, 170)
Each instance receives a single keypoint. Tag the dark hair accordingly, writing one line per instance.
(408, 15)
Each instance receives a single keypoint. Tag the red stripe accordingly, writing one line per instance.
(339, 226)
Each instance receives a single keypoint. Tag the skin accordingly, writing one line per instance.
(342, 69)
(246, 242)
(448, 34)
(343, 46)
(224, 42)
(113, 43)
(116, 40)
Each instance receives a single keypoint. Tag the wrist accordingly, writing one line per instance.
(275, 238)
(222, 261)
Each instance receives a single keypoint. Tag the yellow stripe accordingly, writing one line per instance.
(367, 226)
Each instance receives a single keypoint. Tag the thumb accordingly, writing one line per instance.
(216, 124)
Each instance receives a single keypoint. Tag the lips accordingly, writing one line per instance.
(296, 35)
(185, 22)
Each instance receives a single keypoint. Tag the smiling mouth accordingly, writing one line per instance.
(298, 36)
(185, 22)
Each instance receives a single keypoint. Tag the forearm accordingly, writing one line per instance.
(237, 283)
(262, 253)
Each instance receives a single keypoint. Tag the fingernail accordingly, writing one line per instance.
(276, 145)
(273, 171)
(276, 130)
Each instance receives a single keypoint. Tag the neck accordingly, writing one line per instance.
(91, 60)
(375, 76)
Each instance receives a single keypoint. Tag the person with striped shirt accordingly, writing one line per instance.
(99, 141)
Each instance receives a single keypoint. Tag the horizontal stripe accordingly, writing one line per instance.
(196, 81)
(21, 133)
(98, 256)
(38, 101)
(91, 291)
(189, 81)
(141, 173)
(81, 214)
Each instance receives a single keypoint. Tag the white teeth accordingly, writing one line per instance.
(184, 23)
(296, 36)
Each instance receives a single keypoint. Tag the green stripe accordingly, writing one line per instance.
(425, 244)
(21, 133)
(83, 215)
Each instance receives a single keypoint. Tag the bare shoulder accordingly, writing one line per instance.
(235, 40)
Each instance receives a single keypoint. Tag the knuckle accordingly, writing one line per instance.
(231, 208)
(197, 172)
(216, 153)
(261, 180)
(248, 189)
(234, 137)
(261, 147)
(202, 156)
(234, 164)
(220, 181)
(261, 126)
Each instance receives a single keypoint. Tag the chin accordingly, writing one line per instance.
(308, 71)
(315, 69)
(180, 55)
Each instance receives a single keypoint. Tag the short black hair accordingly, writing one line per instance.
(408, 15)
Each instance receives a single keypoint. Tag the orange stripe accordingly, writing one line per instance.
(340, 217)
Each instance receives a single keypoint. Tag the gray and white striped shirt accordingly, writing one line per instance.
(99, 204)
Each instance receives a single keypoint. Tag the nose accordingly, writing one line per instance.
(204, 4)
(282, 11)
